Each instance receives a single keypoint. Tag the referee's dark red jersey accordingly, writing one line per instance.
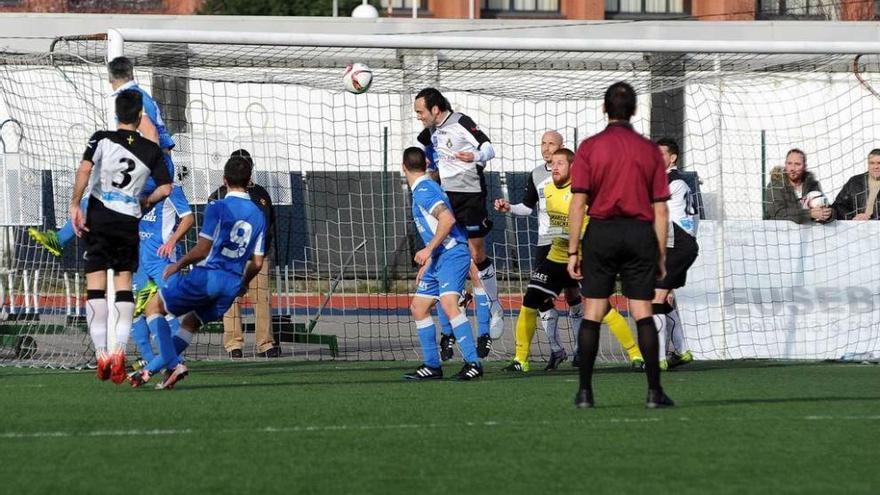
(621, 172)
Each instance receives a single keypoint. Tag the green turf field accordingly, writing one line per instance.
(294, 427)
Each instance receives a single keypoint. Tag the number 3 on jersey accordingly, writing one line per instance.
(126, 174)
(240, 235)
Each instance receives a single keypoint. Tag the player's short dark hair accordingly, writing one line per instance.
(414, 159)
(670, 144)
(237, 171)
(129, 105)
(246, 155)
(874, 152)
(799, 152)
(434, 98)
(620, 101)
(569, 155)
(121, 69)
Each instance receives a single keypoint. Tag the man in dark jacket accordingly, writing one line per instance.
(788, 195)
(859, 198)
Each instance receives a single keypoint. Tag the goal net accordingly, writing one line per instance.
(341, 270)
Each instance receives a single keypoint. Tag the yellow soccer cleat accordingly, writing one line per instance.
(143, 297)
(47, 239)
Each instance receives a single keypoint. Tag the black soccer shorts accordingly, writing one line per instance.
(623, 246)
(471, 213)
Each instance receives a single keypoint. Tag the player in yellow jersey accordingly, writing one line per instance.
(550, 277)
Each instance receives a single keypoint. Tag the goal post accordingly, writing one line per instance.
(759, 289)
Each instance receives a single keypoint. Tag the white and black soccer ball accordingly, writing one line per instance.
(357, 78)
(814, 199)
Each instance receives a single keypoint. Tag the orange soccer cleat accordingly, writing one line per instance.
(117, 367)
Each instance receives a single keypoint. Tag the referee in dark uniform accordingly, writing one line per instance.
(622, 176)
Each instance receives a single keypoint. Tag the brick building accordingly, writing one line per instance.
(742, 10)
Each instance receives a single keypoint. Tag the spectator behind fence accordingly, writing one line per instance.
(859, 198)
(794, 193)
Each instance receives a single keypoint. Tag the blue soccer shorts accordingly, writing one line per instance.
(208, 293)
(446, 274)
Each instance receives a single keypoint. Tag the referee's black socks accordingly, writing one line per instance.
(588, 347)
(649, 344)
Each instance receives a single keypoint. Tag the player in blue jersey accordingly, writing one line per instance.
(121, 71)
(228, 254)
(445, 261)
(161, 229)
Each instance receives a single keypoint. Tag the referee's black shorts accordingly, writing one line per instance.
(470, 212)
(623, 246)
(679, 260)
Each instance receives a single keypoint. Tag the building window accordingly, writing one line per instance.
(646, 8)
(795, 9)
(404, 4)
(493, 8)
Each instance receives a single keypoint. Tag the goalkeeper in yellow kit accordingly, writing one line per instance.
(550, 277)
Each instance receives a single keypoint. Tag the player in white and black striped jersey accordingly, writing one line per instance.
(458, 152)
(681, 252)
(116, 165)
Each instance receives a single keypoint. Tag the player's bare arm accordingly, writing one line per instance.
(79, 186)
(445, 222)
(148, 130)
(196, 254)
(251, 270)
(576, 212)
(661, 219)
(158, 194)
(183, 227)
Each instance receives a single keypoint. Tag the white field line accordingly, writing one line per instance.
(412, 426)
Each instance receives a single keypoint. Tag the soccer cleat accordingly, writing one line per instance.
(675, 359)
(576, 360)
(637, 365)
(47, 239)
(484, 346)
(425, 372)
(138, 364)
(102, 369)
(272, 352)
(236, 354)
(657, 399)
(446, 343)
(179, 373)
(556, 358)
(470, 371)
(583, 399)
(496, 322)
(138, 378)
(516, 367)
(117, 367)
(664, 365)
(143, 297)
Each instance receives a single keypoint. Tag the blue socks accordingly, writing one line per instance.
(167, 355)
(428, 338)
(484, 311)
(65, 234)
(141, 335)
(464, 336)
(445, 326)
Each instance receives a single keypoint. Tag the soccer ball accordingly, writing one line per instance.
(814, 199)
(357, 78)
